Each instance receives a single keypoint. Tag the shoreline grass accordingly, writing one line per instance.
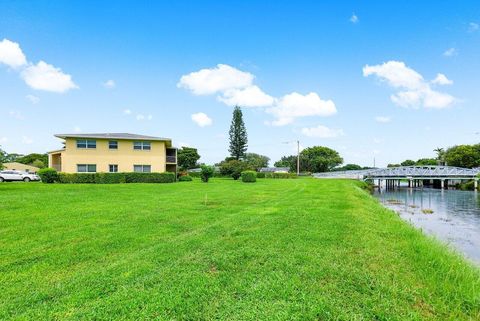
(275, 250)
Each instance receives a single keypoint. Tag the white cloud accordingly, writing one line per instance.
(214, 80)
(450, 52)
(322, 132)
(441, 79)
(235, 87)
(143, 117)
(43, 76)
(473, 26)
(77, 129)
(383, 119)
(11, 54)
(378, 140)
(396, 74)
(354, 18)
(16, 114)
(435, 99)
(411, 98)
(3, 139)
(246, 97)
(127, 111)
(27, 140)
(201, 119)
(425, 97)
(33, 99)
(295, 105)
(109, 84)
(415, 91)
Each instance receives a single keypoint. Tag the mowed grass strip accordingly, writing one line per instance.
(300, 249)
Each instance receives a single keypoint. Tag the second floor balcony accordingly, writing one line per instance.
(171, 156)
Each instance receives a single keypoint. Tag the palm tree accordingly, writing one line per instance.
(440, 155)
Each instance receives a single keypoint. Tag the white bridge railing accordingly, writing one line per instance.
(430, 172)
(355, 174)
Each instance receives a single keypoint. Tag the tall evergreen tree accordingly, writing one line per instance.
(238, 135)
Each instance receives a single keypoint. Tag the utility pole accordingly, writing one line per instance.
(374, 162)
(298, 154)
(298, 158)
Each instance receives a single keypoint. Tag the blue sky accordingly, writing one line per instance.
(386, 80)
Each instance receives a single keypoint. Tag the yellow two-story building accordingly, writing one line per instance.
(118, 152)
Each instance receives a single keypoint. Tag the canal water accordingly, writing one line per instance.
(450, 215)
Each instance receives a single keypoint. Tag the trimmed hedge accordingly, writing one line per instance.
(284, 175)
(115, 178)
(276, 175)
(149, 177)
(48, 175)
(249, 176)
(185, 178)
(216, 175)
(66, 178)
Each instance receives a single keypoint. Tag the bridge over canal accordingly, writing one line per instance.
(415, 175)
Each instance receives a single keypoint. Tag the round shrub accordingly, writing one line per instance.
(249, 176)
(48, 175)
(185, 178)
(206, 173)
(233, 168)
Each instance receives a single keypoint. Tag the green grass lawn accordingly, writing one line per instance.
(301, 249)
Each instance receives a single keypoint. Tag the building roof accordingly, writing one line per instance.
(113, 136)
(274, 169)
(18, 166)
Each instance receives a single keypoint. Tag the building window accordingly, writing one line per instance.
(113, 168)
(113, 144)
(142, 168)
(141, 145)
(86, 168)
(86, 143)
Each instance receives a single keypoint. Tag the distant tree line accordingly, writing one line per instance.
(350, 167)
(420, 162)
(34, 159)
(467, 156)
(462, 156)
(312, 159)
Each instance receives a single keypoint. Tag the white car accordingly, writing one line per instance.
(9, 176)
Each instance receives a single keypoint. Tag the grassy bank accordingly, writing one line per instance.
(274, 250)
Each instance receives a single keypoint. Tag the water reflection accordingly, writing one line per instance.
(450, 215)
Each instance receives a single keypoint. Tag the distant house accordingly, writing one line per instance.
(216, 169)
(117, 152)
(274, 170)
(20, 167)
